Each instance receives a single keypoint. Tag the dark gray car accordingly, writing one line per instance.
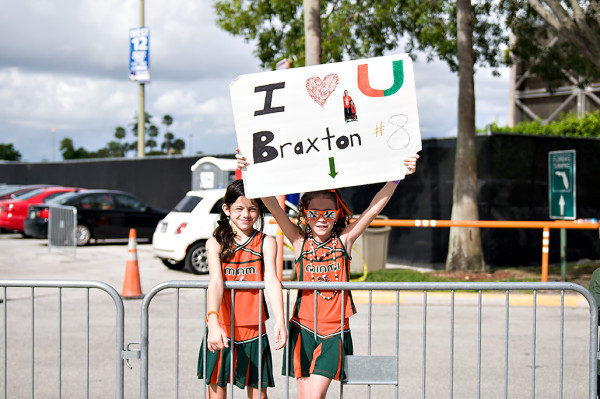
(101, 214)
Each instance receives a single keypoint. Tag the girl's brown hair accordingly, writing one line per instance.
(344, 215)
(224, 234)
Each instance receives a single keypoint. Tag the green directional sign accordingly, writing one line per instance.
(561, 179)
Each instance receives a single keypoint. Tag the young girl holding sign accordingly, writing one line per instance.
(322, 240)
(239, 252)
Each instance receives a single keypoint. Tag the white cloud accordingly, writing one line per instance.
(63, 64)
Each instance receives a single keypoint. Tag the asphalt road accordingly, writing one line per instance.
(424, 367)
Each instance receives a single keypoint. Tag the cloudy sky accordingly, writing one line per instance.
(64, 66)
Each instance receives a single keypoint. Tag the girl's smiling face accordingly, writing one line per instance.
(243, 213)
(321, 228)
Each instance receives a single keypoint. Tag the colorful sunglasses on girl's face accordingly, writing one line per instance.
(328, 214)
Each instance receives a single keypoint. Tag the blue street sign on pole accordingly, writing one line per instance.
(139, 55)
(561, 179)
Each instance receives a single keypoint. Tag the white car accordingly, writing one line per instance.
(179, 240)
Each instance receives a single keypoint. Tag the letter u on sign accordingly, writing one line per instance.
(365, 86)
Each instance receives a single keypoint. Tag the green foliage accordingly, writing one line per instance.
(407, 275)
(114, 149)
(512, 274)
(69, 152)
(549, 55)
(349, 28)
(155, 153)
(9, 153)
(568, 125)
(431, 26)
(353, 29)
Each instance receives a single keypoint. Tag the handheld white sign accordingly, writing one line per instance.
(326, 126)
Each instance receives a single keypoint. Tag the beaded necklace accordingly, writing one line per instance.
(314, 257)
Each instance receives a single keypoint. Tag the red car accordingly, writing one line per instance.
(13, 212)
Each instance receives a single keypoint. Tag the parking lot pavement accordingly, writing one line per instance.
(30, 259)
(25, 258)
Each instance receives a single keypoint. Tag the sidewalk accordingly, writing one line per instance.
(489, 298)
(571, 299)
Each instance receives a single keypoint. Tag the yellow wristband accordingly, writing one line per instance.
(213, 312)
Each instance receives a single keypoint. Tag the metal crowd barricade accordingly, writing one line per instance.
(62, 227)
(357, 371)
(44, 303)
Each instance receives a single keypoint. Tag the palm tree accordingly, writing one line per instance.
(167, 121)
(152, 133)
(120, 135)
(166, 146)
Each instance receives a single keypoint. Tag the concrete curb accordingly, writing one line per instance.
(488, 298)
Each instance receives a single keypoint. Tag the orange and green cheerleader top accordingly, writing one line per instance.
(246, 265)
(323, 262)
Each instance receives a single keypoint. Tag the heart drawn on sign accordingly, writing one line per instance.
(320, 90)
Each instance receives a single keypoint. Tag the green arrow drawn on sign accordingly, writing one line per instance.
(332, 171)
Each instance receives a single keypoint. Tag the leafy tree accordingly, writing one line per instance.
(463, 35)
(178, 146)
(559, 41)
(312, 31)
(576, 21)
(69, 152)
(349, 28)
(9, 153)
(113, 150)
(443, 29)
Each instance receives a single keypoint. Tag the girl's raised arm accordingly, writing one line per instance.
(290, 230)
(356, 228)
(273, 290)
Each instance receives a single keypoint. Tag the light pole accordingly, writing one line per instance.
(53, 130)
(142, 110)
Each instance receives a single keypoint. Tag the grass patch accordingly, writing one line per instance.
(577, 272)
(402, 275)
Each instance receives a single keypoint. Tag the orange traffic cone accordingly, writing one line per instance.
(132, 288)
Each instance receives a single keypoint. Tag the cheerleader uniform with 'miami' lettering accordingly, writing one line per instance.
(246, 265)
(320, 349)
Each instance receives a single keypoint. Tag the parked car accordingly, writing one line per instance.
(101, 214)
(180, 238)
(8, 188)
(13, 192)
(13, 212)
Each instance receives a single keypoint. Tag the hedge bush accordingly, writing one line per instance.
(568, 125)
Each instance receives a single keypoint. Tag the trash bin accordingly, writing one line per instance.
(373, 247)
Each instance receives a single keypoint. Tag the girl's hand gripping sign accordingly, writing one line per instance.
(326, 126)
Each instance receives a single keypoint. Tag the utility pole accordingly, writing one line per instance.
(53, 130)
(142, 108)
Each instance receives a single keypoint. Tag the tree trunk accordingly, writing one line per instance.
(464, 247)
(312, 31)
